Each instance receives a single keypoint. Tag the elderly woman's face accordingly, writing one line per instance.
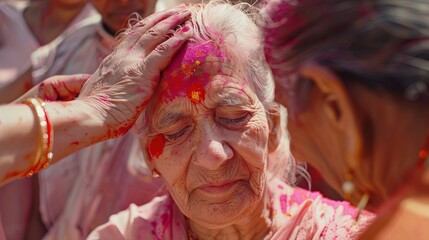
(208, 137)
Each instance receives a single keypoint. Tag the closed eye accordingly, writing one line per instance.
(234, 123)
(177, 135)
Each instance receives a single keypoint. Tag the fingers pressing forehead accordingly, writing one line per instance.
(159, 33)
(163, 54)
(141, 27)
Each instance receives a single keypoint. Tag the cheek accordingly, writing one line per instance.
(156, 146)
(173, 163)
(252, 145)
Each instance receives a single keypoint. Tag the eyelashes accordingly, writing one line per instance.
(231, 123)
(234, 123)
(177, 135)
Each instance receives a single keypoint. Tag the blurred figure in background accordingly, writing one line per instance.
(24, 27)
(73, 196)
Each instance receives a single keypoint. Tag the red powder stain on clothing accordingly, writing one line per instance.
(156, 146)
(75, 143)
(196, 93)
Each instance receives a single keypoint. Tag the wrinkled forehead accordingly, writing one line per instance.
(193, 68)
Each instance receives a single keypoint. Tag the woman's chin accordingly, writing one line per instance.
(223, 213)
(219, 215)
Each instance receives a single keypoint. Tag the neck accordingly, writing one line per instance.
(256, 224)
(396, 141)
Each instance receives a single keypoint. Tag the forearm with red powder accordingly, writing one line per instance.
(74, 125)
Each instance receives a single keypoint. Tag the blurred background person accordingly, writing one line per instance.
(27, 25)
(72, 195)
(24, 27)
(354, 76)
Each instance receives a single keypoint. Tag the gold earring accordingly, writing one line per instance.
(348, 186)
(155, 174)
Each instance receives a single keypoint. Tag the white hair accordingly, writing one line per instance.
(232, 28)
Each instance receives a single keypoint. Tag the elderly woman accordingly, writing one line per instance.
(354, 75)
(211, 132)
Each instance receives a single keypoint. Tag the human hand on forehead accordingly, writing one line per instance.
(123, 84)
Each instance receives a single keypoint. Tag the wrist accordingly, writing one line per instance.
(76, 125)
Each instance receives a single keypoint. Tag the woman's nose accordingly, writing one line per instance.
(212, 151)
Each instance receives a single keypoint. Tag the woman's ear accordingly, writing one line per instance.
(149, 161)
(274, 123)
(337, 109)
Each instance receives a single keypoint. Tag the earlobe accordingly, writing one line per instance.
(338, 108)
(147, 158)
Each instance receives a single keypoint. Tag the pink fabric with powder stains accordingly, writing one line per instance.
(298, 214)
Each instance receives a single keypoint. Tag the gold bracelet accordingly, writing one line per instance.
(48, 154)
(44, 151)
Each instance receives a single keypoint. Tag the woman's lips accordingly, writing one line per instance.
(216, 188)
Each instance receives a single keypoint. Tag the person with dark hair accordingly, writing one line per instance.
(354, 76)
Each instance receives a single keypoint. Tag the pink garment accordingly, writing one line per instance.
(298, 214)
(80, 49)
(16, 43)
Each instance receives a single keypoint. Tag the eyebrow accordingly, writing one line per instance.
(230, 99)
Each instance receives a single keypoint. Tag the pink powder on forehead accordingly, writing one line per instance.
(188, 74)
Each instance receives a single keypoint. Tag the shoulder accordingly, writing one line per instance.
(137, 222)
(305, 214)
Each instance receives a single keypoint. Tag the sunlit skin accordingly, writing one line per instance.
(339, 135)
(116, 13)
(216, 136)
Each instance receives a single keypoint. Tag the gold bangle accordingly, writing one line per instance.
(47, 155)
(44, 151)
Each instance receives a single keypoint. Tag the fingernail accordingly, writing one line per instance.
(185, 28)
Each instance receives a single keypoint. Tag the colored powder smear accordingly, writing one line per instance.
(156, 146)
(196, 93)
(190, 71)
